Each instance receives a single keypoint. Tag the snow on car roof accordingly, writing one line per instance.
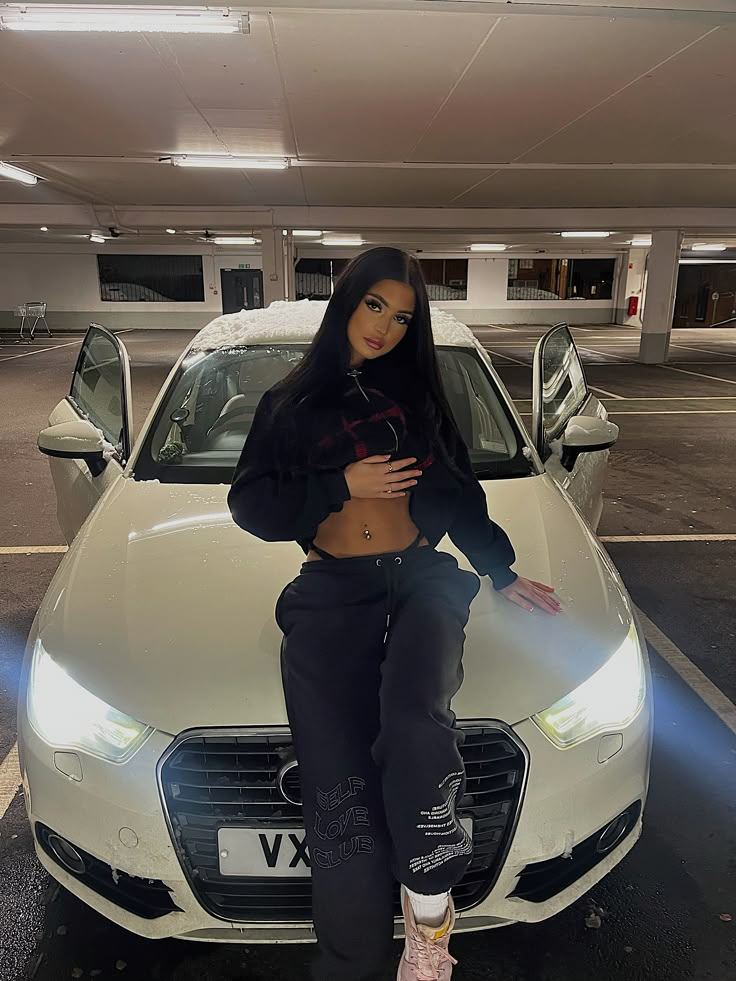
(286, 322)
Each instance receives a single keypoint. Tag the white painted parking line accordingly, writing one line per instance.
(691, 347)
(610, 395)
(698, 374)
(9, 779)
(693, 677)
(41, 350)
(54, 347)
(668, 538)
(605, 354)
(32, 549)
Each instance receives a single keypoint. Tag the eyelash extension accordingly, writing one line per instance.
(404, 321)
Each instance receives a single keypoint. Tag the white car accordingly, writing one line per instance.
(158, 770)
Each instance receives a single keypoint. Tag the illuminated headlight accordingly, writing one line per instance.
(65, 714)
(611, 698)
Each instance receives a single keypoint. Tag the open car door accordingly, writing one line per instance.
(569, 424)
(99, 400)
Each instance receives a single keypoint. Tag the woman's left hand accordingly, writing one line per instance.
(529, 594)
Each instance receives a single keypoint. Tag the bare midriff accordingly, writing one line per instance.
(391, 528)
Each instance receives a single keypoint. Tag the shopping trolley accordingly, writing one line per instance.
(35, 311)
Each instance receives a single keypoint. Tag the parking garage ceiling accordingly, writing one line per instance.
(430, 106)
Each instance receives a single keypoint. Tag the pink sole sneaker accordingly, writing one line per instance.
(425, 956)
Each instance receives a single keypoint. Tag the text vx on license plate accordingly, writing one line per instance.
(258, 852)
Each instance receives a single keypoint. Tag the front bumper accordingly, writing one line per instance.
(115, 814)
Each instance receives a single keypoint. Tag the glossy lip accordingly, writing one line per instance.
(372, 342)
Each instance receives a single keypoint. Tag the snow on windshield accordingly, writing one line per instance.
(284, 322)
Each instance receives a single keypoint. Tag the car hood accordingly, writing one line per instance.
(163, 607)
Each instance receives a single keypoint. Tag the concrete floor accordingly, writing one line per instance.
(671, 478)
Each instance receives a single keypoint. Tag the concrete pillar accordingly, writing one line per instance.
(659, 302)
(274, 286)
(289, 267)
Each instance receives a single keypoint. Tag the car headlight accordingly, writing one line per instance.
(611, 698)
(63, 713)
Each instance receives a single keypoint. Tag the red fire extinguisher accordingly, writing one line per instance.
(633, 306)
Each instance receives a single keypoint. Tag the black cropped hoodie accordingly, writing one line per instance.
(277, 506)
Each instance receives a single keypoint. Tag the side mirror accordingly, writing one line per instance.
(78, 440)
(586, 434)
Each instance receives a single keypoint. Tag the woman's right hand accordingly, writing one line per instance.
(379, 476)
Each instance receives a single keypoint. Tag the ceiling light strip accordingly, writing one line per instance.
(222, 161)
(595, 234)
(342, 241)
(122, 18)
(233, 240)
(17, 173)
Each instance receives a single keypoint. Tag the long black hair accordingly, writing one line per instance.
(409, 374)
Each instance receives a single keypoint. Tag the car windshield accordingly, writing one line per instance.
(203, 420)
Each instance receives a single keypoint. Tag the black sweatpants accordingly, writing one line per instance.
(371, 657)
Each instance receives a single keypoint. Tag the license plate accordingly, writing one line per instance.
(260, 853)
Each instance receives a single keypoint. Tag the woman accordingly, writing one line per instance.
(355, 456)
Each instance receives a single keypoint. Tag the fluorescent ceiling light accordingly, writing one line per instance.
(645, 240)
(16, 174)
(230, 163)
(171, 231)
(585, 234)
(233, 240)
(98, 239)
(305, 233)
(342, 240)
(122, 18)
(44, 228)
(480, 247)
(706, 247)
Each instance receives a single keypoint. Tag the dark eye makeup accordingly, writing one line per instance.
(375, 306)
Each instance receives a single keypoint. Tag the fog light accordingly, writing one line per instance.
(67, 854)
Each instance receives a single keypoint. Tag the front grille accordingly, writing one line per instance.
(210, 782)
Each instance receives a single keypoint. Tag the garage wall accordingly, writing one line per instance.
(487, 283)
(66, 278)
(632, 282)
(487, 303)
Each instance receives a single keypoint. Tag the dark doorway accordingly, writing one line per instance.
(706, 295)
(242, 289)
